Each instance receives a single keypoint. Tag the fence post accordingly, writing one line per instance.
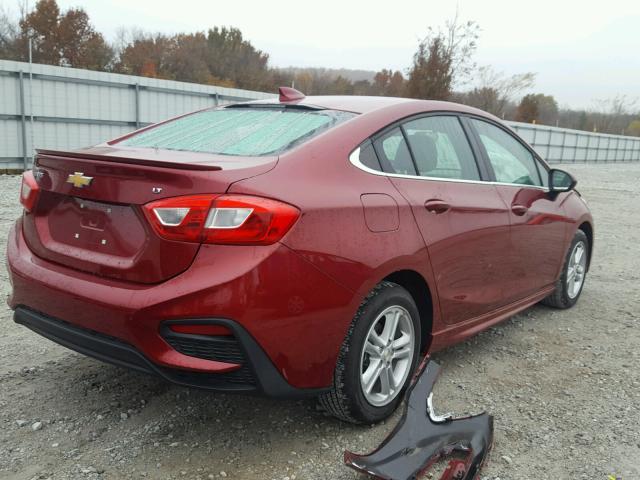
(564, 139)
(216, 99)
(23, 121)
(626, 149)
(137, 106)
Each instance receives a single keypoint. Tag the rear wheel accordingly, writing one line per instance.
(569, 285)
(377, 357)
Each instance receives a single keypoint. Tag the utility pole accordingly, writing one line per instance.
(31, 96)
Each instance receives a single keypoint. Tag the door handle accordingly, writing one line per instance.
(519, 209)
(437, 206)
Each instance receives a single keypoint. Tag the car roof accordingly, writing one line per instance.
(367, 104)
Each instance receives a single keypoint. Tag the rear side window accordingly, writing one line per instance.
(440, 148)
(510, 160)
(239, 131)
(394, 153)
(368, 156)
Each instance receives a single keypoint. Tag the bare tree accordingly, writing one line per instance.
(495, 91)
(612, 115)
(8, 34)
(126, 36)
(444, 59)
(460, 46)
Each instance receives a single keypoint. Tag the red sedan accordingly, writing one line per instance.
(296, 247)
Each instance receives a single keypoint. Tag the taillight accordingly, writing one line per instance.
(29, 191)
(223, 219)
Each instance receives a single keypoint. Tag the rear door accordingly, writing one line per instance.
(538, 221)
(462, 219)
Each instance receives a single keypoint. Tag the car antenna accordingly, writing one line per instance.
(288, 94)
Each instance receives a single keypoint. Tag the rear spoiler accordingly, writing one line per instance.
(55, 154)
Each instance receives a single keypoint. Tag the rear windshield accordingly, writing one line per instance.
(252, 131)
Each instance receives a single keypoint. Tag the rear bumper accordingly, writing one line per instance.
(257, 374)
(295, 315)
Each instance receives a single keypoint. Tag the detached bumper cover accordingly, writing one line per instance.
(257, 375)
(421, 438)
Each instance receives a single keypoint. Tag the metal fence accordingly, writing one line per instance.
(562, 145)
(42, 106)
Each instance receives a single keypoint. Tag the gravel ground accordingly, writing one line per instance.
(563, 386)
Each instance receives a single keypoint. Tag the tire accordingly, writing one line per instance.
(565, 295)
(347, 399)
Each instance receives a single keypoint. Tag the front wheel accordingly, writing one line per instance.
(377, 358)
(574, 271)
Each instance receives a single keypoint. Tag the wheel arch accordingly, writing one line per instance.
(419, 289)
(587, 228)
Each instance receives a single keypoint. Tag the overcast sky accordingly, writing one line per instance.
(581, 50)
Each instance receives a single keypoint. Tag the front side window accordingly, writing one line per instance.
(510, 160)
(544, 173)
(440, 148)
(246, 131)
(394, 153)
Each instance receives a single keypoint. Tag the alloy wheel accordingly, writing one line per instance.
(387, 355)
(576, 269)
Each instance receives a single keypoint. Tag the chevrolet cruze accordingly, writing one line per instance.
(300, 246)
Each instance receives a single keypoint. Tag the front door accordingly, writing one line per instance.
(538, 222)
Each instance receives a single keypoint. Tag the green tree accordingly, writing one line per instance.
(431, 76)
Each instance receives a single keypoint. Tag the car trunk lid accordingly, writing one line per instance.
(89, 216)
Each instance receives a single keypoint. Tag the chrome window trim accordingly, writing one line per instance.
(355, 161)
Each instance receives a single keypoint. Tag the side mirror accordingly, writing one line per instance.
(561, 181)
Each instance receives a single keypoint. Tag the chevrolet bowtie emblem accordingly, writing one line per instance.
(78, 180)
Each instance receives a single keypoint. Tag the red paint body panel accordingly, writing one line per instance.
(102, 229)
(538, 239)
(296, 298)
(268, 290)
(466, 243)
